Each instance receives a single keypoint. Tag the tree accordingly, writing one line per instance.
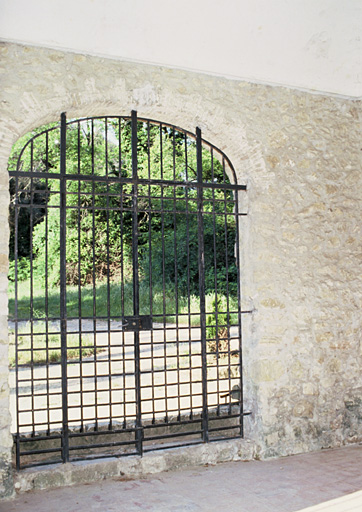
(99, 210)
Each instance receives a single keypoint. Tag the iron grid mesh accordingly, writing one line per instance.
(84, 385)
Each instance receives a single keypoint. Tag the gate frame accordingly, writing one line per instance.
(63, 285)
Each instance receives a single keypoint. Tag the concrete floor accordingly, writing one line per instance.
(288, 484)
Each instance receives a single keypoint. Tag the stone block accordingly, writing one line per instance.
(269, 370)
(303, 409)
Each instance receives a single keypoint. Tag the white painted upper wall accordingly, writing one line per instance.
(311, 44)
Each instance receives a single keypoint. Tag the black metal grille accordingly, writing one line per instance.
(130, 229)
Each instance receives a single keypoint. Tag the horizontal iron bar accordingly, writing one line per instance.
(26, 425)
(131, 181)
(124, 209)
(40, 409)
(174, 396)
(175, 434)
(116, 195)
(100, 317)
(146, 209)
(230, 427)
(226, 416)
(171, 327)
(101, 445)
(44, 450)
(74, 459)
(40, 438)
(172, 423)
(151, 210)
(103, 432)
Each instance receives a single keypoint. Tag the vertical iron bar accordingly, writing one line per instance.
(225, 192)
(163, 275)
(150, 270)
(237, 243)
(63, 282)
(94, 281)
(80, 284)
(187, 213)
(17, 451)
(176, 278)
(46, 283)
(108, 283)
(163, 246)
(16, 249)
(32, 287)
(136, 306)
(119, 148)
(214, 205)
(121, 208)
(201, 261)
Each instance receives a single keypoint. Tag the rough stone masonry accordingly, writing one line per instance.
(300, 155)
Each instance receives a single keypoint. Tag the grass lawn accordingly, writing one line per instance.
(117, 302)
(38, 348)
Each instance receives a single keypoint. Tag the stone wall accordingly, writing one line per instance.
(300, 156)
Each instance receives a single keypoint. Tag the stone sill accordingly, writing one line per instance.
(133, 467)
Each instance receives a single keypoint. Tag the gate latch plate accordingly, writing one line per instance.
(137, 323)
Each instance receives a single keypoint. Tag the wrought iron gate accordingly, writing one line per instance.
(126, 320)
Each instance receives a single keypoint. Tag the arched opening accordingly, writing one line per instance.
(125, 290)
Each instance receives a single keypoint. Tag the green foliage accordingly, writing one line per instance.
(23, 269)
(99, 213)
(27, 155)
(179, 244)
(173, 258)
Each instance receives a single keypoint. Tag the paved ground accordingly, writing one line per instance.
(288, 484)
